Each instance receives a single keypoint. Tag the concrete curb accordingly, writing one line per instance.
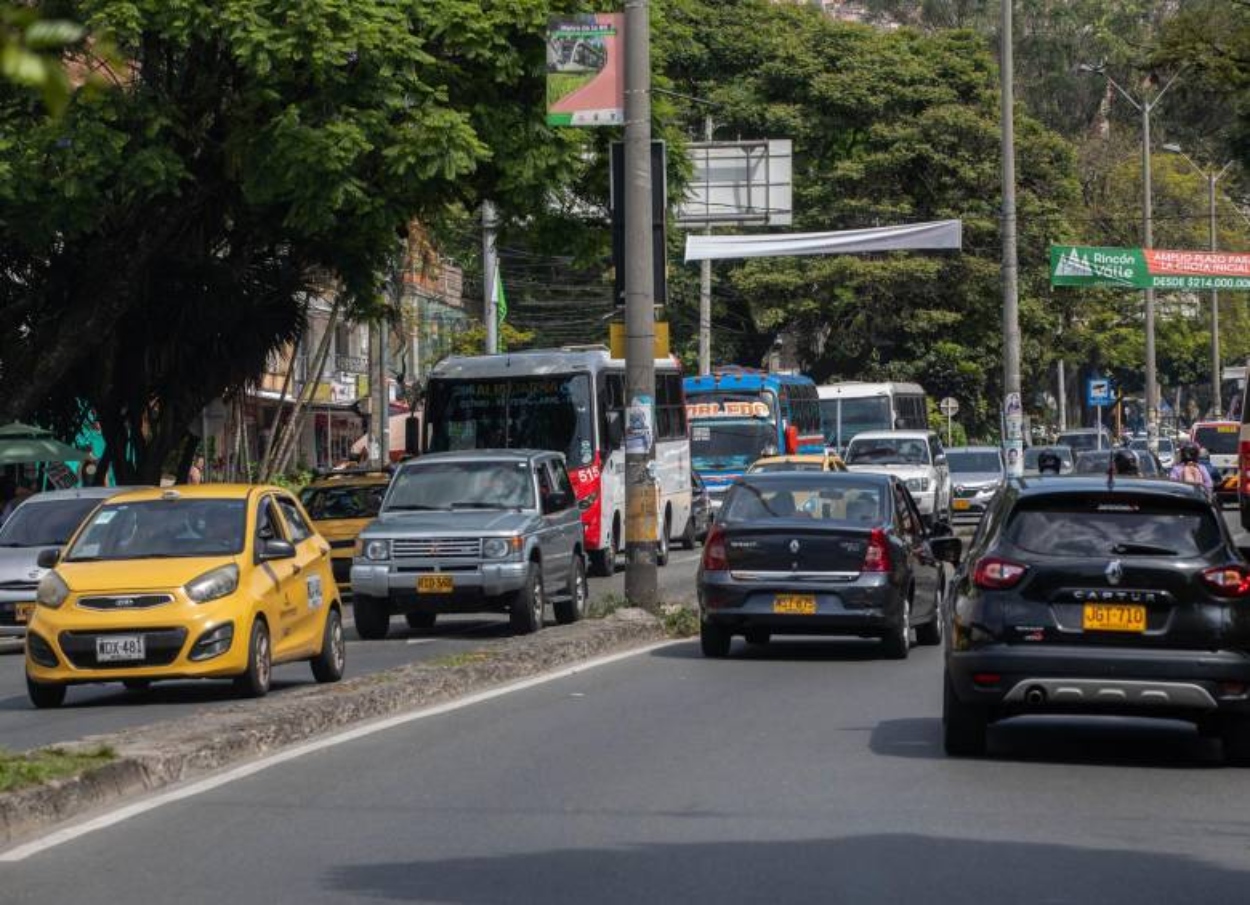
(151, 757)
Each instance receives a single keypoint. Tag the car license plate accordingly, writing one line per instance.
(115, 648)
(795, 604)
(24, 611)
(961, 504)
(435, 584)
(1114, 617)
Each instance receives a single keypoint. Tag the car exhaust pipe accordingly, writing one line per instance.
(1035, 696)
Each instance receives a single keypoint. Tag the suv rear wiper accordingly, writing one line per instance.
(1142, 549)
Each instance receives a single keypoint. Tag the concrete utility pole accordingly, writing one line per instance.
(490, 266)
(705, 288)
(641, 502)
(384, 395)
(1063, 396)
(1013, 421)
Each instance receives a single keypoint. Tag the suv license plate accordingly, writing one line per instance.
(23, 612)
(435, 584)
(1114, 617)
(795, 604)
(114, 648)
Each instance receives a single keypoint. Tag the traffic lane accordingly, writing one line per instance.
(676, 581)
(805, 770)
(102, 709)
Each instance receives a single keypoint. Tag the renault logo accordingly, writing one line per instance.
(1115, 572)
(794, 547)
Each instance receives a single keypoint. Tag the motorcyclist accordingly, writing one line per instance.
(1124, 462)
(1189, 470)
(1048, 462)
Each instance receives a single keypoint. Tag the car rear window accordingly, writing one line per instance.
(857, 503)
(1111, 527)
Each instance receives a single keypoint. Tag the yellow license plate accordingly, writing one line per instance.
(435, 584)
(795, 604)
(1114, 617)
(961, 504)
(25, 611)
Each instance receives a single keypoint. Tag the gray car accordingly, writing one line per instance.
(471, 532)
(977, 473)
(43, 521)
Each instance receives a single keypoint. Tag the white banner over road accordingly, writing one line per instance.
(939, 235)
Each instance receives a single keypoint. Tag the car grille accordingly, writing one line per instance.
(448, 548)
(19, 586)
(125, 601)
(161, 647)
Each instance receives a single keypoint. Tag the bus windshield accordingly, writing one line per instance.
(549, 412)
(870, 413)
(717, 443)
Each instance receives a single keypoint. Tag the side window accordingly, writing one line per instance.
(544, 487)
(936, 447)
(561, 482)
(295, 522)
(670, 407)
(611, 399)
(268, 522)
(907, 524)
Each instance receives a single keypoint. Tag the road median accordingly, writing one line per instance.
(151, 757)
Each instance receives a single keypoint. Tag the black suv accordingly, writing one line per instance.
(1080, 596)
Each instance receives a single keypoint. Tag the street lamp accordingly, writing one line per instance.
(1145, 107)
(1212, 177)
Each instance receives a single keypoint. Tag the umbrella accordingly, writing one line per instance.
(21, 444)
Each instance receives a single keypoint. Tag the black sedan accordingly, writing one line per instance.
(821, 553)
(1080, 597)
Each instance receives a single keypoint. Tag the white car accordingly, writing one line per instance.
(916, 457)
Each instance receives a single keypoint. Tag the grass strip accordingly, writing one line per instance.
(33, 767)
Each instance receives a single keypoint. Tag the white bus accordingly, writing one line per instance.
(849, 408)
(571, 400)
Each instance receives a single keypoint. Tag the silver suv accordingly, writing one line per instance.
(471, 532)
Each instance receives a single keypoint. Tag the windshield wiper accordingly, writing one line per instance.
(468, 505)
(1143, 549)
(416, 507)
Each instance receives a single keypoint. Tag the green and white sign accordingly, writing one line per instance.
(1148, 268)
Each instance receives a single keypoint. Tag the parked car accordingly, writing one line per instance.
(341, 503)
(700, 513)
(914, 457)
(798, 462)
(1066, 460)
(471, 532)
(203, 581)
(42, 521)
(1084, 438)
(977, 472)
(1082, 598)
(826, 553)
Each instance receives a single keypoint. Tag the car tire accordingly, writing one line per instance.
(714, 640)
(420, 621)
(372, 616)
(964, 726)
(690, 536)
(662, 548)
(328, 665)
(897, 644)
(525, 610)
(573, 606)
(603, 561)
(136, 684)
(254, 683)
(1235, 735)
(757, 637)
(45, 695)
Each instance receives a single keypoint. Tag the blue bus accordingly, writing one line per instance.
(737, 415)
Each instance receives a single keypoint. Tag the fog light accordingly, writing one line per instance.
(41, 651)
(213, 643)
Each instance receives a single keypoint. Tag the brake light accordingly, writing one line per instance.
(877, 556)
(714, 558)
(995, 574)
(1228, 581)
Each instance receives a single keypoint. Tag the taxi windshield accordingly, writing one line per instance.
(162, 529)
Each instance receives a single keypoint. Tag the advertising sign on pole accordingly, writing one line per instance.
(586, 70)
(1148, 268)
(1013, 439)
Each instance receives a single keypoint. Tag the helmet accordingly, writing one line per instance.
(1125, 462)
(1189, 453)
(1048, 461)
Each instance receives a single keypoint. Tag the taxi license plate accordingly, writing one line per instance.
(1114, 617)
(795, 604)
(24, 611)
(435, 584)
(961, 504)
(115, 648)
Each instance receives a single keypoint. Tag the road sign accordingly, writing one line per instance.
(1098, 391)
(949, 406)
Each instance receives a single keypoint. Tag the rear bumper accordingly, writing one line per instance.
(868, 606)
(1100, 680)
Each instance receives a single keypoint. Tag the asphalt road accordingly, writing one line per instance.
(810, 771)
(97, 709)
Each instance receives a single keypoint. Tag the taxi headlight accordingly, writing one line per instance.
(213, 584)
(918, 484)
(500, 547)
(52, 591)
(377, 549)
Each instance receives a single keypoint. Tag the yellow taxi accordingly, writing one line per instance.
(341, 503)
(798, 462)
(211, 581)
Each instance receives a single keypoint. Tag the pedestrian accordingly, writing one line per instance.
(195, 474)
(1189, 471)
(87, 470)
(1204, 459)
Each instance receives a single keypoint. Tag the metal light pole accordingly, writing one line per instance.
(1013, 409)
(641, 501)
(1212, 178)
(1145, 107)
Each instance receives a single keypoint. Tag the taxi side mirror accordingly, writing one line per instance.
(47, 559)
(274, 548)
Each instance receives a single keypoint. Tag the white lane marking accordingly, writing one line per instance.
(421, 640)
(112, 818)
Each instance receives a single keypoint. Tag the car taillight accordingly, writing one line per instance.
(714, 558)
(1243, 462)
(877, 556)
(995, 574)
(1228, 581)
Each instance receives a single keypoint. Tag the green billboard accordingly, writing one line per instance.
(1148, 268)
